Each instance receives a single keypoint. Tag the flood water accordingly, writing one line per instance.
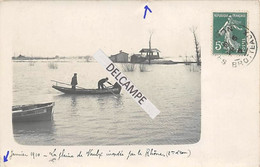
(105, 119)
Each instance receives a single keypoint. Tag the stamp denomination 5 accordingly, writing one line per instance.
(233, 43)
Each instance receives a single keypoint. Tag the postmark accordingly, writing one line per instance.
(233, 43)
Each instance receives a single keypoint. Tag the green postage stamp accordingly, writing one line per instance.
(229, 35)
(233, 42)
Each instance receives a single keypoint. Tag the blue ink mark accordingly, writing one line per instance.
(5, 157)
(145, 10)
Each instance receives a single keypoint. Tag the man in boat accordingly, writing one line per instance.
(74, 81)
(102, 82)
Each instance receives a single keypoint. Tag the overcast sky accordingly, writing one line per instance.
(80, 28)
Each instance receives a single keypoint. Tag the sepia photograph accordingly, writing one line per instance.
(63, 96)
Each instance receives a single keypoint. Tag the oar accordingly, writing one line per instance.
(60, 82)
(67, 84)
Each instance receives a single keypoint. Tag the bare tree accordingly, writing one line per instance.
(150, 47)
(197, 46)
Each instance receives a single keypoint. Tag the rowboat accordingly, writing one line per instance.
(84, 91)
(33, 112)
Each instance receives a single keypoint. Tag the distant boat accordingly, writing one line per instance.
(67, 90)
(33, 112)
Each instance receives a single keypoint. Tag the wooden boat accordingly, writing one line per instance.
(33, 112)
(87, 91)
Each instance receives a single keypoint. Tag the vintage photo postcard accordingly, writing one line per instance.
(129, 83)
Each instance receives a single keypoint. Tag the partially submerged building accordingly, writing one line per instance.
(137, 58)
(154, 53)
(144, 55)
(121, 57)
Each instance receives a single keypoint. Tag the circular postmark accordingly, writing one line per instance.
(233, 43)
(239, 60)
(246, 58)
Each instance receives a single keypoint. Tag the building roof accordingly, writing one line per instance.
(123, 52)
(147, 50)
(120, 53)
(21, 56)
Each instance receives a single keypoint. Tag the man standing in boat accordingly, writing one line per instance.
(74, 81)
(102, 81)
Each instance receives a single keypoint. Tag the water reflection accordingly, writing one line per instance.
(107, 101)
(77, 103)
(35, 128)
(73, 101)
(118, 101)
(67, 102)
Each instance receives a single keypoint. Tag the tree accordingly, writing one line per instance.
(197, 46)
(150, 47)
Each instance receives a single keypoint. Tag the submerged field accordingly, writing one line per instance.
(106, 120)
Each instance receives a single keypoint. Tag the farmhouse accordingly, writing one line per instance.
(121, 57)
